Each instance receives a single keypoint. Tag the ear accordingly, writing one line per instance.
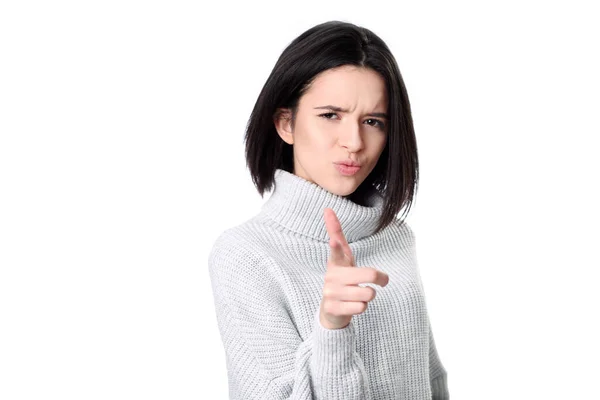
(283, 124)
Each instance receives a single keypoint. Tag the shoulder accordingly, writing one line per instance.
(239, 268)
(239, 249)
(234, 243)
(403, 233)
(257, 237)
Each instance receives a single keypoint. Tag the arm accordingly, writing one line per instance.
(266, 357)
(438, 376)
(437, 373)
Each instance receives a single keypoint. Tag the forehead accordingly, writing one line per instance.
(348, 86)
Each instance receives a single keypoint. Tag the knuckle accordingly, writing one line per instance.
(372, 293)
(329, 277)
(362, 307)
(328, 292)
(348, 309)
(327, 307)
(332, 308)
(373, 275)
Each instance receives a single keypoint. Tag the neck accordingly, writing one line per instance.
(299, 205)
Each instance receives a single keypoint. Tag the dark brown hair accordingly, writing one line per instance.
(329, 45)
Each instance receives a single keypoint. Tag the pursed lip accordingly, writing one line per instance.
(348, 163)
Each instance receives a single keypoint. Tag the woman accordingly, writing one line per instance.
(319, 295)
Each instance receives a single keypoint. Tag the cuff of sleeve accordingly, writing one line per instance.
(439, 388)
(333, 349)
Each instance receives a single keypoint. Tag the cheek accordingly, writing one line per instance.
(383, 143)
(316, 138)
(377, 143)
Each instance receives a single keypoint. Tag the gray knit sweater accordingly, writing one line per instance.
(267, 277)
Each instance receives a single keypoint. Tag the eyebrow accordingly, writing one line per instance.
(339, 109)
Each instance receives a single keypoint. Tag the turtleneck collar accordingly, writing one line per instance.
(298, 205)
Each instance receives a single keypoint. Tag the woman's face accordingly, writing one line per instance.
(324, 136)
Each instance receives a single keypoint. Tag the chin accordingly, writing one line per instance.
(342, 189)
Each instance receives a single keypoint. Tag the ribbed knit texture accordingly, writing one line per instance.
(267, 277)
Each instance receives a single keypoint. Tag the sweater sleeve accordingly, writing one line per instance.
(437, 373)
(265, 356)
(438, 376)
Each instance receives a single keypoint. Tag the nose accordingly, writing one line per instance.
(351, 139)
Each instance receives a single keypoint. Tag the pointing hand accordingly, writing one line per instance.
(342, 297)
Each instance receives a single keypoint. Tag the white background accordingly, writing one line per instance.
(121, 160)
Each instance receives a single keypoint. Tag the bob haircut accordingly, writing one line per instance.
(324, 46)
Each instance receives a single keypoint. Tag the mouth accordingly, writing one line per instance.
(347, 169)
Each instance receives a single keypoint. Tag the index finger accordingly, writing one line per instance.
(334, 229)
(337, 256)
(333, 226)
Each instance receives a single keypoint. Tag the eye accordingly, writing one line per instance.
(325, 115)
(379, 123)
